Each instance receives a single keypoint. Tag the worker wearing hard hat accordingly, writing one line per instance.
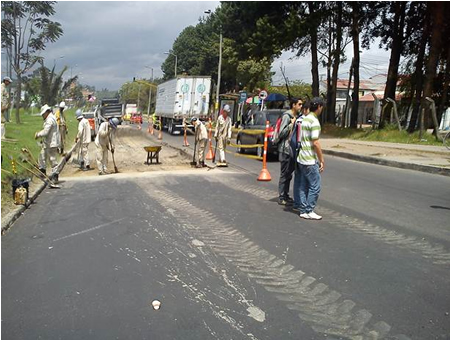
(201, 139)
(50, 142)
(84, 137)
(104, 141)
(61, 120)
(223, 134)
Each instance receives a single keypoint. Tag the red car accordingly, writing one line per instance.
(136, 118)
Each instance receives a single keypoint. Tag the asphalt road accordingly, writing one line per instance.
(227, 262)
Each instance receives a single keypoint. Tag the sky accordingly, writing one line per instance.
(107, 43)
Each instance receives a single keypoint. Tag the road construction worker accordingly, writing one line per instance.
(5, 99)
(104, 141)
(223, 134)
(201, 139)
(50, 142)
(84, 136)
(61, 120)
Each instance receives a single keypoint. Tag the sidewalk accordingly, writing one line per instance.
(427, 158)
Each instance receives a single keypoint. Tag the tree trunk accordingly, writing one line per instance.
(437, 14)
(355, 36)
(314, 56)
(396, 50)
(336, 63)
(329, 62)
(446, 86)
(418, 78)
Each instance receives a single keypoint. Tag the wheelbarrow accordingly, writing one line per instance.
(152, 154)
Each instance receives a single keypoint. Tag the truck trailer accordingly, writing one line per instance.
(108, 108)
(182, 98)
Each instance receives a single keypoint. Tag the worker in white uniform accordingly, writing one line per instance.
(61, 120)
(201, 139)
(84, 136)
(223, 134)
(50, 142)
(104, 141)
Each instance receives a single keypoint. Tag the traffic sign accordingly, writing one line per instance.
(263, 95)
(243, 97)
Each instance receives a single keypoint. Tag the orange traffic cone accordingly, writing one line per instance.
(264, 175)
(210, 154)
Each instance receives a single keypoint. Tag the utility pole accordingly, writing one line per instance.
(149, 100)
(345, 114)
(219, 73)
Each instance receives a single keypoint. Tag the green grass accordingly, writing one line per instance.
(22, 136)
(388, 134)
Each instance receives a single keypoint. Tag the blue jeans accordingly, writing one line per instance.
(297, 183)
(309, 178)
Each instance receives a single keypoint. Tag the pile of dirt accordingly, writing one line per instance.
(130, 156)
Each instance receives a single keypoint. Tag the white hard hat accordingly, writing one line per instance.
(7, 79)
(79, 114)
(114, 122)
(44, 109)
(62, 105)
(227, 108)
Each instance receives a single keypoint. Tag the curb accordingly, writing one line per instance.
(394, 164)
(8, 221)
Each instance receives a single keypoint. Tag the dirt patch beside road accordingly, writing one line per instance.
(130, 155)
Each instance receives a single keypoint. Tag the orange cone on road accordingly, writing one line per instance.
(264, 175)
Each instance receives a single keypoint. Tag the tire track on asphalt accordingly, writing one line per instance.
(434, 252)
(318, 305)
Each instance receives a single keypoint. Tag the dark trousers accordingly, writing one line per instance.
(287, 168)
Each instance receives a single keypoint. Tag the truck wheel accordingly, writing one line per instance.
(239, 149)
(259, 150)
(170, 128)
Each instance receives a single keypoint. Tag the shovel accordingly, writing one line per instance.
(112, 153)
(194, 163)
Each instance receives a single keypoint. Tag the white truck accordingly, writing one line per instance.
(182, 98)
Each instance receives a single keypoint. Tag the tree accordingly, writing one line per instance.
(26, 30)
(53, 88)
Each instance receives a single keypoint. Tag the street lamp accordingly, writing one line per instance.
(54, 61)
(219, 71)
(176, 61)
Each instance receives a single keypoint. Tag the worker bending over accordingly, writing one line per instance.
(104, 141)
(201, 139)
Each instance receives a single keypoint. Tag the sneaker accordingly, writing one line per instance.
(282, 201)
(296, 209)
(305, 216)
(290, 200)
(314, 216)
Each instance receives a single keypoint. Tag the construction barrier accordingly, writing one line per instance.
(264, 174)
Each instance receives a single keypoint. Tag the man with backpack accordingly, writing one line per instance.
(311, 162)
(285, 153)
(296, 146)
